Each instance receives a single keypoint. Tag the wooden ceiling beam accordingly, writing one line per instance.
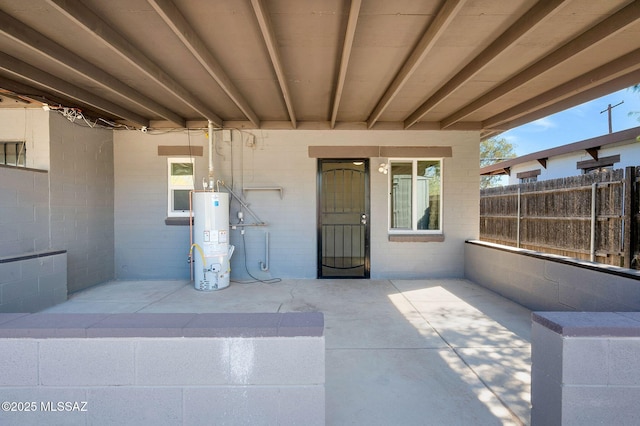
(269, 37)
(33, 75)
(192, 41)
(603, 89)
(93, 24)
(623, 65)
(527, 22)
(436, 29)
(22, 90)
(607, 27)
(45, 47)
(354, 13)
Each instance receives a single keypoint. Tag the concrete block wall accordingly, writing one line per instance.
(147, 248)
(551, 283)
(24, 211)
(30, 125)
(585, 368)
(64, 199)
(164, 369)
(33, 282)
(280, 158)
(82, 196)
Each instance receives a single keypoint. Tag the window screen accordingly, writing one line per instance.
(180, 183)
(415, 195)
(13, 154)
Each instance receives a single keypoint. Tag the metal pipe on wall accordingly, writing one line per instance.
(212, 180)
(264, 266)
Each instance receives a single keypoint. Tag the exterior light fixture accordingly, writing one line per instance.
(384, 168)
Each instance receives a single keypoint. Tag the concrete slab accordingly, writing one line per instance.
(423, 352)
(507, 371)
(407, 387)
(98, 306)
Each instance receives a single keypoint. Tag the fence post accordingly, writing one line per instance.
(629, 182)
(518, 222)
(594, 218)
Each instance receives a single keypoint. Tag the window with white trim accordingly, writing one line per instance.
(180, 182)
(415, 195)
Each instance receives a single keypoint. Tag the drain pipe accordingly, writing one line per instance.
(264, 266)
(212, 180)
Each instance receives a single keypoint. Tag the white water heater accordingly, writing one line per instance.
(211, 240)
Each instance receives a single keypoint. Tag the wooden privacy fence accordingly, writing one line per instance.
(590, 217)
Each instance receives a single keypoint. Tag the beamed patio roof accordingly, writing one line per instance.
(487, 65)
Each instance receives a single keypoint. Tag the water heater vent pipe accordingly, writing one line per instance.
(212, 179)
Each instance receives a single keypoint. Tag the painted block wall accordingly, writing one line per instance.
(67, 204)
(145, 247)
(585, 368)
(33, 282)
(81, 188)
(551, 283)
(24, 211)
(24, 194)
(163, 369)
(29, 125)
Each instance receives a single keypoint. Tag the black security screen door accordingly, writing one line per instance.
(343, 218)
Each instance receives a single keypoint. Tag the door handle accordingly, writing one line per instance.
(363, 219)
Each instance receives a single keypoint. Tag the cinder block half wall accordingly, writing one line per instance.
(162, 369)
(33, 282)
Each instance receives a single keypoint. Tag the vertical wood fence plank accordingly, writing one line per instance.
(554, 216)
(629, 181)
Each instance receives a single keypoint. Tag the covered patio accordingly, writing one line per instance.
(427, 352)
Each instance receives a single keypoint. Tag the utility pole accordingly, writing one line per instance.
(609, 108)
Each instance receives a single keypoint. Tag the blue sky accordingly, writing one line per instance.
(581, 122)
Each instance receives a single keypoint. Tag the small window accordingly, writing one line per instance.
(529, 176)
(415, 196)
(595, 170)
(181, 182)
(13, 154)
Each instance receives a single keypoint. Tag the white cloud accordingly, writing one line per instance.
(509, 137)
(580, 111)
(543, 124)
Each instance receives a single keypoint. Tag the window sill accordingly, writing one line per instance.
(177, 221)
(26, 169)
(416, 238)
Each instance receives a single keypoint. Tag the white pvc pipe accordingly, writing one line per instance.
(212, 180)
(265, 265)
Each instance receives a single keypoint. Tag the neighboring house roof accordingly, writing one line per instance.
(591, 146)
(485, 66)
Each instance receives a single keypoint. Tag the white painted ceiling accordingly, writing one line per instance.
(315, 64)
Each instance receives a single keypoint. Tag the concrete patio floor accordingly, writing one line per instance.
(398, 352)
